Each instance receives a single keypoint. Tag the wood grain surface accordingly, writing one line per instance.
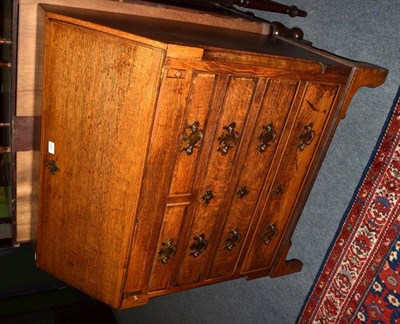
(98, 115)
(118, 186)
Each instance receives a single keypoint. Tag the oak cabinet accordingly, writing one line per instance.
(174, 156)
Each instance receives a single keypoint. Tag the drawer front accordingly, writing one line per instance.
(195, 132)
(266, 135)
(162, 152)
(211, 196)
(163, 264)
(314, 110)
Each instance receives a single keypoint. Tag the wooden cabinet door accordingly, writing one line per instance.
(96, 123)
(315, 108)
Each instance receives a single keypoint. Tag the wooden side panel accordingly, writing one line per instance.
(315, 108)
(238, 98)
(275, 107)
(200, 97)
(165, 138)
(99, 101)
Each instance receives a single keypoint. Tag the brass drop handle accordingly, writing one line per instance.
(242, 192)
(207, 197)
(199, 246)
(233, 239)
(307, 137)
(267, 137)
(52, 166)
(167, 251)
(192, 138)
(228, 139)
(270, 234)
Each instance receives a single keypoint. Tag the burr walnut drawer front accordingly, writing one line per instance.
(314, 111)
(266, 136)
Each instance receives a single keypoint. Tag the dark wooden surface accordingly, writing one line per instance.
(195, 35)
(133, 188)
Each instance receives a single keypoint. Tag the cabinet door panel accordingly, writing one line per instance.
(303, 141)
(271, 119)
(86, 205)
(238, 98)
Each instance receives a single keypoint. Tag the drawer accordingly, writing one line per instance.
(195, 132)
(303, 141)
(211, 196)
(272, 117)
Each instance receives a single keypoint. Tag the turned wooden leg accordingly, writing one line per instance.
(284, 267)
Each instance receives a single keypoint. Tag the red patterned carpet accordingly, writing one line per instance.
(346, 289)
(382, 302)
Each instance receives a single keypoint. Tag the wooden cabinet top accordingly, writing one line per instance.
(203, 41)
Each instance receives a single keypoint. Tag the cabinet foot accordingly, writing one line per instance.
(132, 302)
(283, 267)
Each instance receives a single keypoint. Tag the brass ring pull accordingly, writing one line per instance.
(52, 166)
(267, 137)
(199, 246)
(192, 137)
(270, 234)
(233, 239)
(228, 139)
(167, 251)
(307, 137)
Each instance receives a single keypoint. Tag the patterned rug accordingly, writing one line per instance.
(382, 301)
(345, 290)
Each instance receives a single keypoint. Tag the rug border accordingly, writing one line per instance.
(378, 143)
(397, 239)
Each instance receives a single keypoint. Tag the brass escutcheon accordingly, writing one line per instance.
(207, 197)
(278, 190)
(267, 137)
(167, 251)
(307, 137)
(52, 166)
(270, 234)
(242, 192)
(192, 137)
(228, 139)
(199, 246)
(233, 239)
